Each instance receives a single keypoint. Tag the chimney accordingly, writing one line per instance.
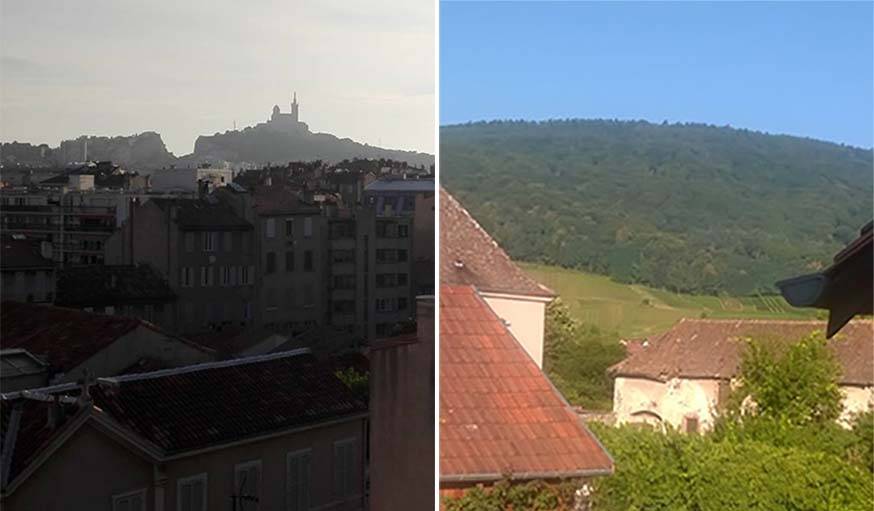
(55, 412)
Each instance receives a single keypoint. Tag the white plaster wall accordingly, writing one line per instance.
(672, 401)
(856, 400)
(525, 317)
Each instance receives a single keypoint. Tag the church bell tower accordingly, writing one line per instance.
(294, 111)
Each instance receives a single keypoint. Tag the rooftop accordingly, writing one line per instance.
(200, 214)
(469, 255)
(22, 254)
(90, 286)
(712, 348)
(65, 338)
(179, 410)
(499, 414)
(401, 185)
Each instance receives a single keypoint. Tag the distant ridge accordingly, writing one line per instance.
(685, 207)
(280, 139)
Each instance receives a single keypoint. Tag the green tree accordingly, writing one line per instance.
(576, 357)
(792, 381)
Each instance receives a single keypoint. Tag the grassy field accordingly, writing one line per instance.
(637, 311)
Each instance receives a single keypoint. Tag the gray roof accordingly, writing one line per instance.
(401, 185)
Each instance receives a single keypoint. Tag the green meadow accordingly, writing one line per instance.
(637, 311)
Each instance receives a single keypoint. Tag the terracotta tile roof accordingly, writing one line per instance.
(22, 255)
(65, 338)
(101, 285)
(277, 200)
(190, 408)
(711, 348)
(201, 215)
(499, 414)
(468, 255)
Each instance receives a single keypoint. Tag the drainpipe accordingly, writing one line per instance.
(159, 482)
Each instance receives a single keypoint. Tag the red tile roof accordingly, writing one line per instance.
(469, 255)
(711, 348)
(189, 408)
(499, 414)
(22, 255)
(65, 338)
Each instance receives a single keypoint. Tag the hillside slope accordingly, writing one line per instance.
(689, 208)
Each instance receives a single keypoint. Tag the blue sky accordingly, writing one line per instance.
(796, 68)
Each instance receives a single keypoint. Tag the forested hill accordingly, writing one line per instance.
(686, 207)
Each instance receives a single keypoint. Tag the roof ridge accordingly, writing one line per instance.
(205, 366)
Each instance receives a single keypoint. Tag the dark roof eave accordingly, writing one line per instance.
(525, 476)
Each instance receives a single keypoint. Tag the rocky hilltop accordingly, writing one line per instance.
(282, 138)
(264, 144)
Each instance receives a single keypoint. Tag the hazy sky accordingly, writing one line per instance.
(783, 67)
(361, 69)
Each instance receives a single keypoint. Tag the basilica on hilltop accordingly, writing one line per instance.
(287, 122)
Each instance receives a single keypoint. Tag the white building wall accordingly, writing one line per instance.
(525, 317)
(856, 400)
(638, 400)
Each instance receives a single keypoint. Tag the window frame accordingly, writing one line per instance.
(270, 228)
(340, 490)
(142, 492)
(299, 453)
(246, 465)
(180, 482)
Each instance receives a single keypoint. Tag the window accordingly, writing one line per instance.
(271, 263)
(402, 256)
(289, 260)
(244, 275)
(307, 227)
(270, 228)
(189, 242)
(343, 256)
(247, 483)
(342, 230)
(298, 478)
(225, 275)
(191, 493)
(308, 260)
(186, 277)
(403, 231)
(132, 501)
(344, 307)
(209, 241)
(344, 281)
(385, 305)
(402, 304)
(308, 299)
(386, 280)
(690, 424)
(402, 279)
(344, 468)
(227, 241)
(270, 299)
(207, 276)
(289, 227)
(386, 230)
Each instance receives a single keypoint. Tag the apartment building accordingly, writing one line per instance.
(204, 250)
(291, 266)
(370, 273)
